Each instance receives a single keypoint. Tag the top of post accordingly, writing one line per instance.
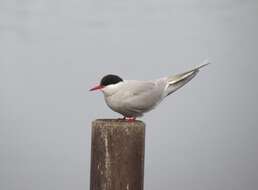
(118, 122)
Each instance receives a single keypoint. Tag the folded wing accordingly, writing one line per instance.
(177, 81)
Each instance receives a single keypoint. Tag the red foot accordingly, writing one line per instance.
(131, 119)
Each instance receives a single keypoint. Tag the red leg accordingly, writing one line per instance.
(131, 119)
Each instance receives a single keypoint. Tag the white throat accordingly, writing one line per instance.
(111, 89)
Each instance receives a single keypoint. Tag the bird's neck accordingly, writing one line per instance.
(111, 89)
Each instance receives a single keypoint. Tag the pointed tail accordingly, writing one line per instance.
(177, 81)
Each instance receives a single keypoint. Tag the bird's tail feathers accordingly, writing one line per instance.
(205, 63)
(177, 81)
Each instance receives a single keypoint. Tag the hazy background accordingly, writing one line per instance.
(204, 137)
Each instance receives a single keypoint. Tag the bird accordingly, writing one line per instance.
(133, 98)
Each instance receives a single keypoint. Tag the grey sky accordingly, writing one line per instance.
(202, 137)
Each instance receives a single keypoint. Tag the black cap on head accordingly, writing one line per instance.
(110, 79)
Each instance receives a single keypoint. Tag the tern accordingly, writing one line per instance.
(133, 98)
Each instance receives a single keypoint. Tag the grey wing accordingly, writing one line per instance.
(143, 95)
(177, 81)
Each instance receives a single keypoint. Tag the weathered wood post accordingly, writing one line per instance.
(117, 155)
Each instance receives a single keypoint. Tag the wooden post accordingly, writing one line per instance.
(117, 155)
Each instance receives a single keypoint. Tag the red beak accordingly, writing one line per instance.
(98, 87)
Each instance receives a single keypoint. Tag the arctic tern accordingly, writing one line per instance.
(132, 98)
